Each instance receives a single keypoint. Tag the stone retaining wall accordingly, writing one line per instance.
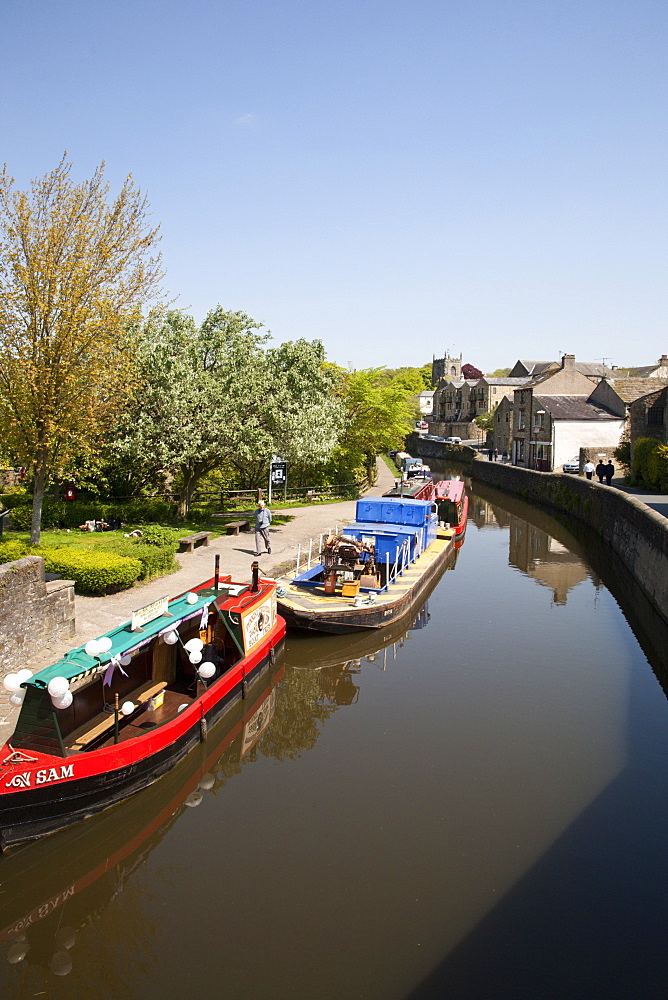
(32, 612)
(638, 534)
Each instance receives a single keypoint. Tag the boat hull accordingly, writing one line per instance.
(108, 777)
(315, 612)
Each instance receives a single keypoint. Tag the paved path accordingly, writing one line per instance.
(97, 615)
(657, 501)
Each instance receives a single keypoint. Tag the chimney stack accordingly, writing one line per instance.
(568, 362)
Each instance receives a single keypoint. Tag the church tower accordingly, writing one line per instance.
(446, 367)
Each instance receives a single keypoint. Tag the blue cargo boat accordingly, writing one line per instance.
(373, 572)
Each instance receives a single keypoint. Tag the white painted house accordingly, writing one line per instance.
(554, 417)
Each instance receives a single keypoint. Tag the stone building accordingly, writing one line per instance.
(503, 426)
(460, 402)
(617, 395)
(531, 369)
(648, 416)
(541, 369)
(659, 370)
(553, 418)
(445, 367)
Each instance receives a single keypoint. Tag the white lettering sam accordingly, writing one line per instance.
(41, 777)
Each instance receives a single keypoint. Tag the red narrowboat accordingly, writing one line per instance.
(114, 715)
(453, 505)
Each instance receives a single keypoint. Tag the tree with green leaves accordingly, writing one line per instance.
(378, 417)
(294, 412)
(193, 387)
(214, 394)
(75, 269)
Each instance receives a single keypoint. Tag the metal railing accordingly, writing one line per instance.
(392, 571)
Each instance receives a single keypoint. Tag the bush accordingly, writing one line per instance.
(622, 455)
(149, 510)
(153, 534)
(17, 498)
(93, 572)
(650, 462)
(10, 551)
(154, 560)
(21, 518)
(72, 513)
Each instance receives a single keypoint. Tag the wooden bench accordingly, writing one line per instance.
(81, 737)
(188, 543)
(234, 527)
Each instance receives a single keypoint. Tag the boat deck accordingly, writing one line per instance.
(314, 599)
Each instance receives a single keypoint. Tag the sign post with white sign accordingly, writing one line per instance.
(278, 475)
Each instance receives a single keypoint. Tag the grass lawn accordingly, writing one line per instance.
(390, 463)
(100, 540)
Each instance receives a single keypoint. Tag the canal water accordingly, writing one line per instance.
(472, 807)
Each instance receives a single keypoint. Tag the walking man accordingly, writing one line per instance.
(262, 522)
(600, 470)
(609, 472)
(589, 469)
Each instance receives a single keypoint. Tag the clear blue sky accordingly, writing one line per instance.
(394, 178)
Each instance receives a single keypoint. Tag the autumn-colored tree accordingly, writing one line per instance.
(75, 269)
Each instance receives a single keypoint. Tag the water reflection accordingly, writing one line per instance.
(53, 887)
(476, 808)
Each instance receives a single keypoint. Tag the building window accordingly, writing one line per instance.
(538, 420)
(520, 421)
(655, 415)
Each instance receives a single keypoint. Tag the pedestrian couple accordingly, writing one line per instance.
(262, 522)
(604, 472)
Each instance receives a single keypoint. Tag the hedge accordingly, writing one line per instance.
(10, 500)
(10, 551)
(154, 560)
(72, 513)
(93, 572)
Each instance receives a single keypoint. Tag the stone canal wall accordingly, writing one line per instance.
(638, 534)
(32, 612)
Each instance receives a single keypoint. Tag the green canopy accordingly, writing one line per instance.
(77, 663)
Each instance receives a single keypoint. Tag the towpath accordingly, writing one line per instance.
(657, 501)
(97, 615)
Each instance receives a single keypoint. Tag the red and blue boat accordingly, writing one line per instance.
(114, 715)
(373, 573)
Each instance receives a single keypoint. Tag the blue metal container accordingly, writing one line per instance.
(393, 511)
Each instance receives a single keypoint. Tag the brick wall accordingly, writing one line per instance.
(32, 612)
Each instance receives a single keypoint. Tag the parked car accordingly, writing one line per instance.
(572, 465)
(421, 425)
(453, 440)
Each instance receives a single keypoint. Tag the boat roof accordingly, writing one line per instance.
(77, 663)
(383, 528)
(450, 489)
(408, 488)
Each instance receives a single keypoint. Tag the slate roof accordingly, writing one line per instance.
(593, 368)
(573, 408)
(507, 380)
(533, 367)
(629, 389)
(652, 398)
